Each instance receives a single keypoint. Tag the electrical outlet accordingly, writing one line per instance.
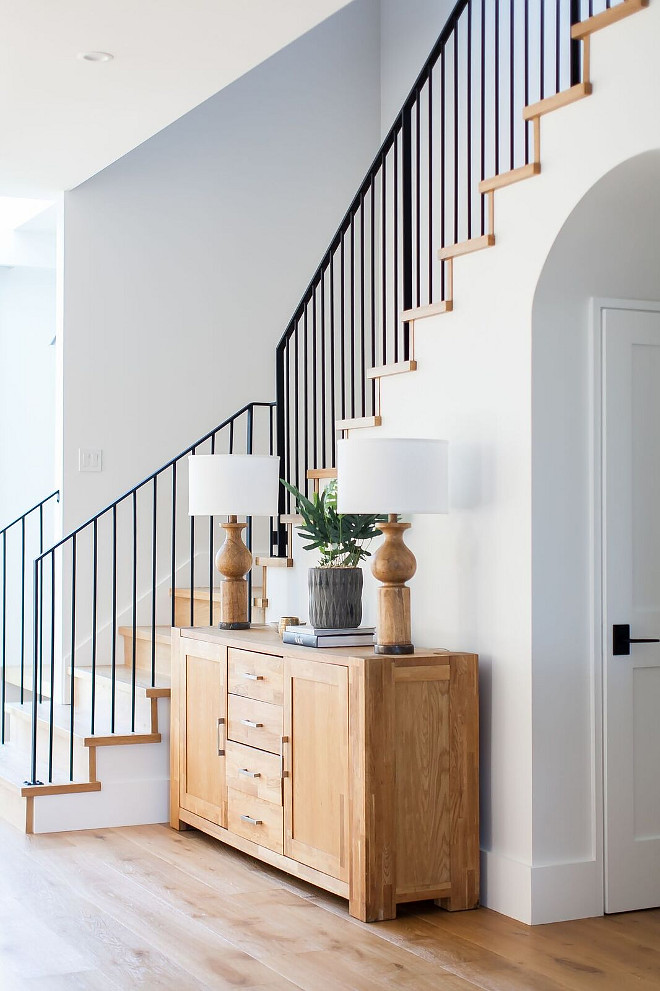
(90, 459)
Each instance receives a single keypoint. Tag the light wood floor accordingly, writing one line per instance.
(145, 907)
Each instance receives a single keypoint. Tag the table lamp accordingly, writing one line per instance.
(226, 485)
(392, 475)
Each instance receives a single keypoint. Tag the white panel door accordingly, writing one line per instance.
(631, 559)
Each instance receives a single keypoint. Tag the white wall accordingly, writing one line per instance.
(608, 247)
(27, 388)
(185, 259)
(408, 32)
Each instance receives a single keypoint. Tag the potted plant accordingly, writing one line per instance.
(335, 586)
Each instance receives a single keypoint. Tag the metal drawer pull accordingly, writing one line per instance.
(248, 774)
(221, 737)
(253, 677)
(253, 822)
(251, 723)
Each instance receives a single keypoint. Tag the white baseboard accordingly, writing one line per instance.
(506, 886)
(537, 895)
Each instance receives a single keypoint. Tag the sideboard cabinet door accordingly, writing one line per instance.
(203, 725)
(315, 759)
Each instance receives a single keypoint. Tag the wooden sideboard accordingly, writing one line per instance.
(356, 772)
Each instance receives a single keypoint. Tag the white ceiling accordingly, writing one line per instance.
(63, 119)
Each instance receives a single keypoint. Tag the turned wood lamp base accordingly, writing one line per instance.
(233, 561)
(394, 564)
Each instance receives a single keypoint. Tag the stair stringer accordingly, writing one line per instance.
(473, 386)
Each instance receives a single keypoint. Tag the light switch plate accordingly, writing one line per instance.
(90, 459)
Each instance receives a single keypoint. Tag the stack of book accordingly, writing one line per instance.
(310, 636)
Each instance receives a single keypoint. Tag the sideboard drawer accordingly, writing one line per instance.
(254, 773)
(258, 676)
(257, 724)
(256, 820)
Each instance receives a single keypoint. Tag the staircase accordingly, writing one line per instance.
(88, 747)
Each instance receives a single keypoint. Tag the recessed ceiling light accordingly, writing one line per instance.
(96, 56)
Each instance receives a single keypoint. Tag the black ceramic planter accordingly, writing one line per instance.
(335, 598)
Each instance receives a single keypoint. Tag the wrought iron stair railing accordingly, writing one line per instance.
(461, 124)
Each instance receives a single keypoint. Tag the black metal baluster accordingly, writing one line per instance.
(154, 578)
(248, 532)
(342, 324)
(512, 87)
(468, 119)
(372, 266)
(542, 50)
(395, 259)
(443, 166)
(526, 123)
(363, 341)
(113, 630)
(192, 565)
(332, 361)
(406, 222)
(94, 617)
(305, 395)
(51, 723)
(211, 554)
(482, 112)
(558, 45)
(173, 548)
(35, 673)
(418, 196)
(352, 311)
(430, 194)
(41, 606)
(323, 374)
(296, 403)
(575, 44)
(72, 683)
(23, 610)
(4, 635)
(456, 140)
(134, 615)
(383, 233)
(496, 89)
(314, 383)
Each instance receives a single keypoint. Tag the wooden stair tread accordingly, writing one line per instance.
(322, 473)
(430, 310)
(396, 368)
(599, 21)
(359, 423)
(15, 771)
(124, 679)
(466, 247)
(562, 99)
(273, 562)
(81, 725)
(199, 594)
(509, 178)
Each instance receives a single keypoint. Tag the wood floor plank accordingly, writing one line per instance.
(150, 908)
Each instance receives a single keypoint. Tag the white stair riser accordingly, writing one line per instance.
(121, 802)
(103, 705)
(143, 655)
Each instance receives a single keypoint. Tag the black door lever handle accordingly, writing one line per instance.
(621, 639)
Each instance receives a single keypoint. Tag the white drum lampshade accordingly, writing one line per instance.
(393, 475)
(233, 484)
